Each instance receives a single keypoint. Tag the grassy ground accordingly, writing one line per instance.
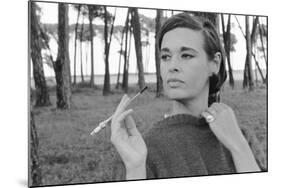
(68, 154)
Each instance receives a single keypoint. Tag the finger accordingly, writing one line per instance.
(124, 98)
(122, 118)
(206, 115)
(116, 124)
(225, 106)
(212, 111)
(217, 107)
(124, 105)
(131, 126)
(123, 115)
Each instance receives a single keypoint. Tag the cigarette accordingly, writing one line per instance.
(105, 122)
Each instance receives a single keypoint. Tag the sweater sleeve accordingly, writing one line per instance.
(256, 148)
(151, 171)
(150, 168)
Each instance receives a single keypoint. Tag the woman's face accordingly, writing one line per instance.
(185, 68)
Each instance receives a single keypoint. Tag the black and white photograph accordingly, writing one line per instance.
(118, 93)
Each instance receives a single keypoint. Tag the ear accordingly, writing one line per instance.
(215, 63)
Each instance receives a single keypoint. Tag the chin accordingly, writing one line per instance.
(177, 94)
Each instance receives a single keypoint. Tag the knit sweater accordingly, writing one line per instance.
(182, 145)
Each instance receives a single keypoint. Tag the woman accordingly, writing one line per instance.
(200, 136)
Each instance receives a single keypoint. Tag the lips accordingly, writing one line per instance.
(174, 82)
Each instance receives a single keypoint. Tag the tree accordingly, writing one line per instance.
(248, 72)
(126, 63)
(42, 94)
(93, 11)
(245, 79)
(75, 40)
(254, 43)
(159, 83)
(35, 172)
(147, 25)
(107, 42)
(137, 36)
(81, 50)
(147, 46)
(126, 80)
(227, 46)
(262, 33)
(62, 63)
(120, 56)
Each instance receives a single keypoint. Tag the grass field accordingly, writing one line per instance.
(68, 154)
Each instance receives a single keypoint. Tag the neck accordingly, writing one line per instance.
(193, 106)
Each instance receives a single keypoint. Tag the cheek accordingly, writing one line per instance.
(196, 75)
(164, 75)
(163, 71)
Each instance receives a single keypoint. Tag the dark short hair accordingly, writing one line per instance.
(212, 45)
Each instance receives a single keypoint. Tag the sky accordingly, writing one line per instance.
(50, 13)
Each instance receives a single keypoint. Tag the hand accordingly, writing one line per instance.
(226, 129)
(225, 126)
(127, 139)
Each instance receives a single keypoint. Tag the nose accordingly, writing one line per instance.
(174, 65)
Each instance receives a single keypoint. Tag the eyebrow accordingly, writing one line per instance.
(183, 48)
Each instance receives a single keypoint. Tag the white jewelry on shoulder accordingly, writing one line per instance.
(166, 115)
(210, 118)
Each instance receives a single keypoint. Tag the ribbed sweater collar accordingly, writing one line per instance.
(182, 120)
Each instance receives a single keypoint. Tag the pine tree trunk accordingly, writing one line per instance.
(106, 85)
(248, 39)
(249, 55)
(256, 72)
(135, 22)
(246, 74)
(227, 47)
(125, 69)
(35, 169)
(119, 65)
(126, 73)
(147, 53)
(62, 63)
(254, 30)
(253, 40)
(75, 43)
(266, 56)
(259, 69)
(231, 79)
(81, 52)
(92, 80)
(263, 50)
(42, 94)
(128, 57)
(159, 84)
(86, 60)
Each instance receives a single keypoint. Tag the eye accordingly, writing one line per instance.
(187, 56)
(165, 57)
